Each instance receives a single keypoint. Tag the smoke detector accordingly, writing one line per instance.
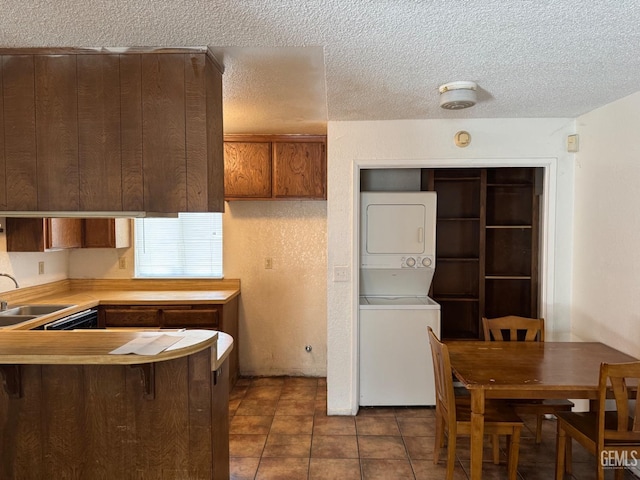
(458, 95)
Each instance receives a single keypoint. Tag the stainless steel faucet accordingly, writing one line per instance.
(3, 303)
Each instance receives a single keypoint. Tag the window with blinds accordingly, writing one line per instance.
(184, 247)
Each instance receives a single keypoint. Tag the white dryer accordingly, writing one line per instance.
(397, 253)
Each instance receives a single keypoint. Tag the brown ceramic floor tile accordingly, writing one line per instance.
(334, 469)
(250, 406)
(375, 425)
(256, 424)
(321, 406)
(292, 424)
(263, 393)
(426, 470)
(373, 469)
(238, 393)
(267, 381)
(300, 382)
(376, 412)
(244, 445)
(428, 412)
(334, 446)
(242, 382)
(296, 407)
(420, 448)
(417, 426)
(334, 425)
(298, 393)
(290, 446)
(243, 468)
(381, 447)
(233, 406)
(283, 469)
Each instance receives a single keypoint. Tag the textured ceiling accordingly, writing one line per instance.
(291, 65)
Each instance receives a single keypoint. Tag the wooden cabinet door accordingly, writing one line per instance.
(186, 317)
(56, 104)
(106, 233)
(41, 234)
(63, 233)
(99, 159)
(25, 234)
(247, 170)
(129, 316)
(19, 134)
(300, 170)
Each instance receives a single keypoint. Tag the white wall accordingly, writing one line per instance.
(606, 255)
(284, 308)
(428, 143)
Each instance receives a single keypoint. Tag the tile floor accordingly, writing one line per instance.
(280, 430)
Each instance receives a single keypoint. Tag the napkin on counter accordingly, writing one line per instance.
(147, 344)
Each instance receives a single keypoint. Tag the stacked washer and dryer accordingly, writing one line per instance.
(397, 263)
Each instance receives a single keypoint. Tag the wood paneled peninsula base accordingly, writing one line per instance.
(68, 409)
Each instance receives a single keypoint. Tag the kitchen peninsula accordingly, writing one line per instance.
(70, 409)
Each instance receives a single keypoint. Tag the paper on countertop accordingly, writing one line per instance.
(147, 345)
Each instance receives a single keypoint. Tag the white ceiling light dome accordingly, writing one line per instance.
(458, 95)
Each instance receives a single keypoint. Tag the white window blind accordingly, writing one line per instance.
(183, 247)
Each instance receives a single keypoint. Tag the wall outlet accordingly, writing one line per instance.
(40, 268)
(122, 263)
(268, 263)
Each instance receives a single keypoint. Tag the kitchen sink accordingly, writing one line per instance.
(31, 310)
(9, 320)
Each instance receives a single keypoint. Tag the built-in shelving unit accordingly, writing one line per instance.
(486, 246)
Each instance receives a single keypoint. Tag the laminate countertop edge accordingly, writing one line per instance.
(92, 347)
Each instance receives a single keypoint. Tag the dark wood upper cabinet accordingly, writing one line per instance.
(43, 234)
(106, 232)
(111, 132)
(269, 167)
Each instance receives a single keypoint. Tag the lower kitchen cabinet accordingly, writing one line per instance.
(223, 317)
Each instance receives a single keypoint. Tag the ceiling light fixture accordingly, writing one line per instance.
(458, 95)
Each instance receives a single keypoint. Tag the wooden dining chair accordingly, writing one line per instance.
(513, 328)
(612, 436)
(453, 414)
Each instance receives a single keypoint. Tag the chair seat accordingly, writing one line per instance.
(587, 424)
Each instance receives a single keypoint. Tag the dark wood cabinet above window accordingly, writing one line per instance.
(275, 167)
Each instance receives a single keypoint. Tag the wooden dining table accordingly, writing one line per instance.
(525, 370)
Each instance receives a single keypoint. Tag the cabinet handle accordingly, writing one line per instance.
(420, 235)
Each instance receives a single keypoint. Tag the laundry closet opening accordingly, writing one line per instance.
(488, 227)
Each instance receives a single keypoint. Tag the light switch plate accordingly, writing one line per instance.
(340, 274)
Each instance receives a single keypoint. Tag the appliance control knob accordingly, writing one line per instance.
(426, 261)
(410, 262)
